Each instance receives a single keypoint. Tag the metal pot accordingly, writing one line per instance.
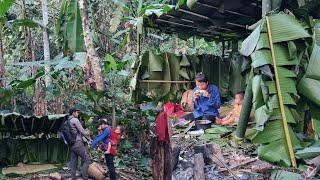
(203, 124)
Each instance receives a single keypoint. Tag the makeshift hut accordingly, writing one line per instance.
(31, 139)
(280, 42)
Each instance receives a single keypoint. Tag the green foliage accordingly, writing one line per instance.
(26, 22)
(271, 136)
(33, 150)
(5, 6)
(74, 27)
(193, 46)
(69, 32)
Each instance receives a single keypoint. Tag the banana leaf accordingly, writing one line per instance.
(184, 73)
(166, 75)
(276, 150)
(310, 88)
(287, 85)
(184, 61)
(286, 98)
(74, 27)
(262, 115)
(309, 152)
(174, 66)
(263, 57)
(315, 117)
(271, 136)
(263, 42)
(292, 50)
(156, 62)
(257, 92)
(284, 72)
(317, 33)
(174, 71)
(314, 64)
(283, 175)
(33, 151)
(249, 44)
(145, 75)
(236, 81)
(225, 78)
(285, 27)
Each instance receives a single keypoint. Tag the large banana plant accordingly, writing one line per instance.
(290, 49)
(69, 33)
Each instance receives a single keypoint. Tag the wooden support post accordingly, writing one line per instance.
(157, 156)
(198, 171)
(161, 155)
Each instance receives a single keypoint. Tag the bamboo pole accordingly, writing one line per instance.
(163, 81)
(284, 118)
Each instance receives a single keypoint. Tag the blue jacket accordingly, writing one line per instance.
(104, 136)
(207, 106)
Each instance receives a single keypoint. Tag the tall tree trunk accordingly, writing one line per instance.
(59, 104)
(2, 69)
(40, 107)
(39, 103)
(46, 48)
(91, 52)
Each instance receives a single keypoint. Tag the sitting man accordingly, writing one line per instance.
(233, 116)
(206, 99)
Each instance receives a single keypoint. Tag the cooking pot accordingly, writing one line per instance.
(203, 124)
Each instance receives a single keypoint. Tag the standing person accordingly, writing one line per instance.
(104, 137)
(109, 138)
(78, 149)
(206, 99)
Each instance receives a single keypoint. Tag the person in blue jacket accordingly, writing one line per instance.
(206, 99)
(104, 137)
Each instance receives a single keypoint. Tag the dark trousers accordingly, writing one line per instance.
(78, 150)
(110, 165)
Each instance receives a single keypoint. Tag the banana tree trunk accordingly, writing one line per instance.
(46, 48)
(91, 52)
(2, 69)
(245, 110)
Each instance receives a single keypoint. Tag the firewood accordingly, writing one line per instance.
(198, 171)
(208, 150)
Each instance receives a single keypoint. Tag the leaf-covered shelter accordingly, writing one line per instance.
(281, 40)
(31, 139)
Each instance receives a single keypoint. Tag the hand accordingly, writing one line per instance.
(196, 95)
(107, 152)
(206, 93)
